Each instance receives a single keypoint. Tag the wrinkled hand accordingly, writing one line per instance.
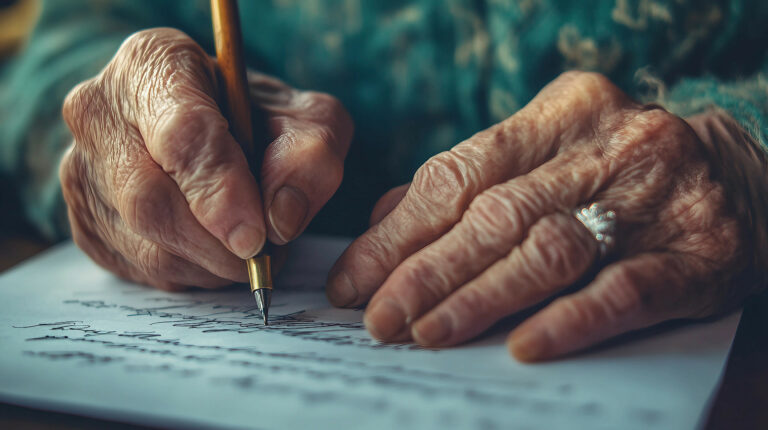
(157, 189)
(485, 230)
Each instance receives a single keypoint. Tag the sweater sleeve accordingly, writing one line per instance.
(745, 100)
(744, 166)
(72, 41)
(732, 72)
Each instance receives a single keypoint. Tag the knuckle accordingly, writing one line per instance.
(294, 150)
(593, 88)
(163, 63)
(444, 182)
(598, 83)
(154, 41)
(560, 254)
(547, 261)
(434, 284)
(81, 105)
(328, 111)
(658, 124)
(186, 125)
(495, 213)
(652, 140)
(502, 213)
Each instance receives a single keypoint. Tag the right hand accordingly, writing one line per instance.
(159, 192)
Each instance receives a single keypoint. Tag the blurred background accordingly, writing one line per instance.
(16, 20)
(17, 17)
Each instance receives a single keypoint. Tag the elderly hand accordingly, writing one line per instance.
(158, 190)
(486, 229)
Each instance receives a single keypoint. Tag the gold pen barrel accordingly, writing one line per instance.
(229, 60)
(260, 272)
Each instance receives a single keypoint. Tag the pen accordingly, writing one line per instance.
(229, 56)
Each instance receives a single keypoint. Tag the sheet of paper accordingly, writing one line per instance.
(73, 338)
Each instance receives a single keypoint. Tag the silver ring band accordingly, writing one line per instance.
(601, 224)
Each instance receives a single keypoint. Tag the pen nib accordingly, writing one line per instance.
(263, 300)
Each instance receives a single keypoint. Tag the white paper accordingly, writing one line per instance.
(73, 338)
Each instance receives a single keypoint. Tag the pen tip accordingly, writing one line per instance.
(263, 298)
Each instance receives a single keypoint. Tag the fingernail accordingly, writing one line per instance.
(385, 320)
(530, 345)
(288, 212)
(341, 292)
(432, 330)
(246, 240)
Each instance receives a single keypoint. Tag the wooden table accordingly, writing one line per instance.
(741, 402)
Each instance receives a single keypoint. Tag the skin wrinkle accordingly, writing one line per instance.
(561, 261)
(443, 183)
(108, 224)
(430, 292)
(82, 236)
(142, 204)
(489, 214)
(79, 104)
(374, 253)
(311, 143)
(597, 142)
(193, 170)
(286, 139)
(511, 205)
(175, 62)
(748, 206)
(638, 160)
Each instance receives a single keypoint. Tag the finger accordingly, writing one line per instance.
(148, 202)
(444, 186)
(556, 252)
(152, 206)
(494, 224)
(157, 266)
(149, 264)
(439, 194)
(628, 295)
(139, 260)
(387, 202)
(304, 165)
(101, 233)
(186, 134)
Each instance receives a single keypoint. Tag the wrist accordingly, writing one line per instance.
(740, 164)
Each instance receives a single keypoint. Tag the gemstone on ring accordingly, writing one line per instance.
(601, 223)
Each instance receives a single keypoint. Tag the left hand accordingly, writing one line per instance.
(485, 230)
